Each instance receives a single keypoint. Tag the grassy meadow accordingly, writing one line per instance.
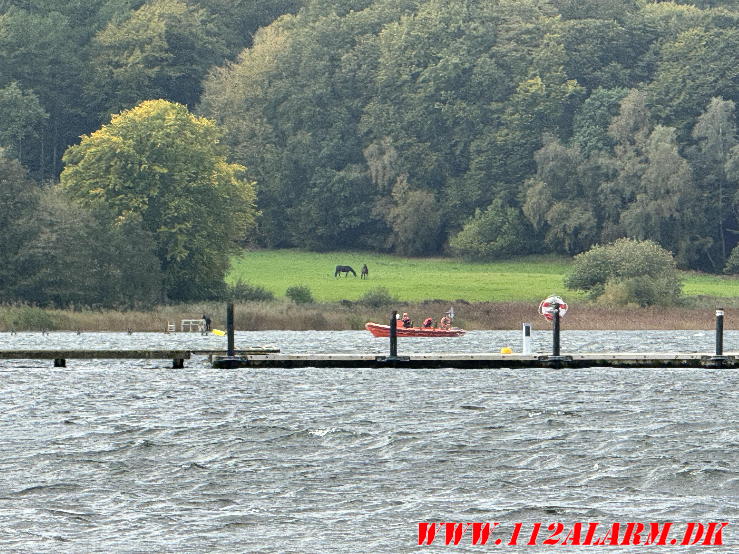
(408, 279)
(525, 279)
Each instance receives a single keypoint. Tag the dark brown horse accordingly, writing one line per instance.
(364, 273)
(345, 269)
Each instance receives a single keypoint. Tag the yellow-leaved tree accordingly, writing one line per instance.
(165, 168)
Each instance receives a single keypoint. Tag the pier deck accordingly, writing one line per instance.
(212, 354)
(60, 357)
(480, 361)
(251, 358)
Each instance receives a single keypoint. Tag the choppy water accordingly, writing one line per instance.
(131, 456)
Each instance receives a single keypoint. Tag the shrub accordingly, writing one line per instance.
(377, 298)
(245, 292)
(627, 272)
(300, 294)
(27, 318)
(498, 232)
(642, 291)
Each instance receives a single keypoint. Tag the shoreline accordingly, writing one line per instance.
(262, 316)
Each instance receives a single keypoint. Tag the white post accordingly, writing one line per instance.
(527, 338)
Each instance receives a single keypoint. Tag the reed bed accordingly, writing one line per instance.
(255, 316)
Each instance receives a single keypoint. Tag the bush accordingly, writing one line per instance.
(244, 292)
(627, 272)
(377, 298)
(641, 291)
(498, 232)
(26, 318)
(300, 294)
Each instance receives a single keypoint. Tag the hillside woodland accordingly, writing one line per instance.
(473, 128)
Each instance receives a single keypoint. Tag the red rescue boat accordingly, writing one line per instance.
(380, 330)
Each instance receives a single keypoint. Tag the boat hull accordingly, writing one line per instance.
(380, 330)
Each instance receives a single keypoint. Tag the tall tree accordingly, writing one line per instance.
(19, 201)
(162, 50)
(21, 116)
(159, 165)
(237, 21)
(629, 130)
(590, 125)
(715, 133)
(663, 207)
(81, 259)
(561, 200)
(698, 65)
(595, 9)
(42, 52)
(416, 220)
(600, 52)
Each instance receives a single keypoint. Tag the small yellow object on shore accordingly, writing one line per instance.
(506, 350)
(218, 332)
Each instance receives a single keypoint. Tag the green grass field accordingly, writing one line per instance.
(698, 284)
(529, 278)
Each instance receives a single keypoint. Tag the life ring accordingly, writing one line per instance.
(546, 307)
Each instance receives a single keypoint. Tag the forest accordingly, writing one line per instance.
(479, 129)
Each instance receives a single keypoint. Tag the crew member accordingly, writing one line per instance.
(406, 320)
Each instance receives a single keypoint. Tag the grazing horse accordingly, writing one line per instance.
(364, 273)
(346, 269)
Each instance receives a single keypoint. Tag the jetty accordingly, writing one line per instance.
(257, 358)
(178, 357)
(479, 361)
(525, 360)
(241, 352)
(60, 357)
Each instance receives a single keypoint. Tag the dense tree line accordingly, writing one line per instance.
(491, 128)
(478, 128)
(65, 67)
(148, 208)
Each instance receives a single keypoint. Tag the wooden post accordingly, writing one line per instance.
(394, 335)
(60, 362)
(230, 328)
(720, 332)
(178, 363)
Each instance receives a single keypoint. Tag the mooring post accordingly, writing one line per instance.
(720, 332)
(229, 361)
(527, 338)
(718, 360)
(230, 328)
(555, 331)
(393, 360)
(60, 362)
(394, 335)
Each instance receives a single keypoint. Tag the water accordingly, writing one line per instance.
(133, 456)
